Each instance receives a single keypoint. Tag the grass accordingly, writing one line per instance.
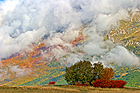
(65, 89)
(36, 89)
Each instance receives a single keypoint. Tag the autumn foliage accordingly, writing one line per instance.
(78, 84)
(52, 83)
(104, 83)
(28, 60)
(118, 83)
(108, 73)
(84, 73)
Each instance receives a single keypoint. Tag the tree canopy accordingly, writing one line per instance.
(108, 73)
(79, 72)
(84, 72)
(99, 70)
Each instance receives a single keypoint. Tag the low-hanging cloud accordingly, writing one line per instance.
(122, 56)
(25, 22)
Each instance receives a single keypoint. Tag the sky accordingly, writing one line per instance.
(2, 0)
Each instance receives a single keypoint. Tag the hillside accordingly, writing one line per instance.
(128, 33)
(129, 74)
(37, 66)
(46, 60)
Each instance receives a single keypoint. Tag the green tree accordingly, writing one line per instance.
(79, 72)
(98, 70)
(85, 72)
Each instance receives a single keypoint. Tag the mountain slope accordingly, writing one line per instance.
(128, 33)
(42, 64)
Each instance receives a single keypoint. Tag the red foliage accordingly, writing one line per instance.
(52, 83)
(117, 83)
(87, 84)
(104, 83)
(78, 84)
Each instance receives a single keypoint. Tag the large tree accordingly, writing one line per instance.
(79, 72)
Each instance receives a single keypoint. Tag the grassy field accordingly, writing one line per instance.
(65, 89)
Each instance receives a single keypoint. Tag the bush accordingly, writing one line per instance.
(118, 83)
(87, 84)
(52, 83)
(78, 84)
(104, 83)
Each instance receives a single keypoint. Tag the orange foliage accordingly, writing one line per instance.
(73, 42)
(108, 73)
(77, 39)
(21, 60)
(41, 45)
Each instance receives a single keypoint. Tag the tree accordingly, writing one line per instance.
(79, 72)
(84, 72)
(108, 73)
(98, 70)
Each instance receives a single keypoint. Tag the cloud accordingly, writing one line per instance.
(19, 72)
(25, 22)
(122, 56)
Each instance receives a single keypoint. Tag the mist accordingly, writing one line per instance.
(59, 22)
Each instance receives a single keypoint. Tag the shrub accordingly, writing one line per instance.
(78, 84)
(87, 84)
(104, 83)
(52, 83)
(118, 83)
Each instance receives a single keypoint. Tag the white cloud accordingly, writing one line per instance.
(23, 22)
(122, 56)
